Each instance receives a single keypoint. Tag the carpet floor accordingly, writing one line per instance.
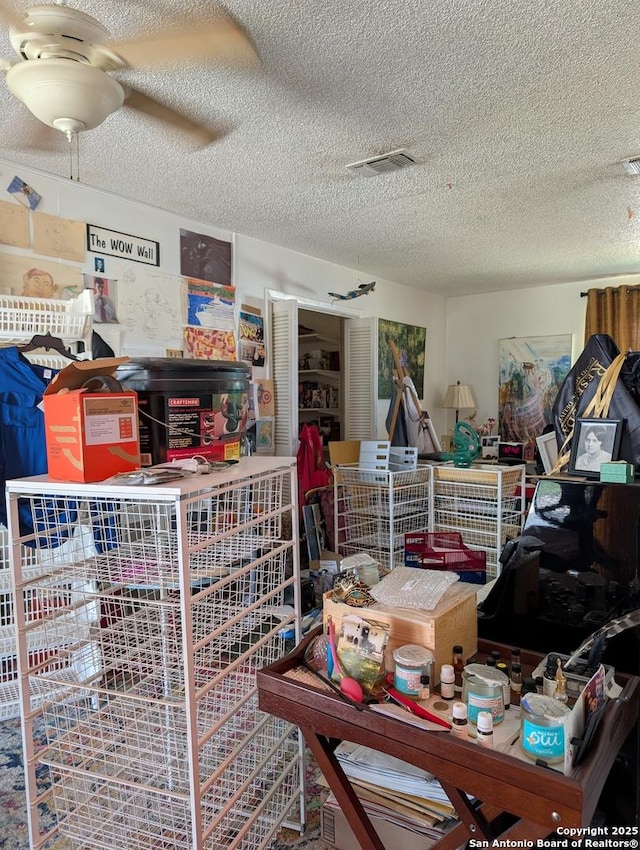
(13, 813)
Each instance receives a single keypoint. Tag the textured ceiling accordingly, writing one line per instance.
(518, 114)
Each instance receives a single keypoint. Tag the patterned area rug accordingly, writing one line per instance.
(13, 814)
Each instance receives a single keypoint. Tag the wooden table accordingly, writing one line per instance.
(481, 784)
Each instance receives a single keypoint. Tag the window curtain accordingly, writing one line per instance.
(615, 311)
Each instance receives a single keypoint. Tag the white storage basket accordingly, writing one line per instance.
(22, 317)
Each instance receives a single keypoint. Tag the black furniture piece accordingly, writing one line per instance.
(573, 569)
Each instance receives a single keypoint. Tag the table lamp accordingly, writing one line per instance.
(458, 397)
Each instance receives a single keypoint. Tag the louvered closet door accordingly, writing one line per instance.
(360, 372)
(359, 376)
(284, 366)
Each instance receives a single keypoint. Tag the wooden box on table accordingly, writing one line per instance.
(452, 621)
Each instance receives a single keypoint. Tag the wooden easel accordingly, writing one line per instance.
(400, 374)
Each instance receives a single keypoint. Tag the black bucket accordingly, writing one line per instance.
(188, 407)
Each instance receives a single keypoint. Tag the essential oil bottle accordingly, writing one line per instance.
(484, 730)
(458, 665)
(516, 678)
(447, 681)
(459, 720)
(425, 685)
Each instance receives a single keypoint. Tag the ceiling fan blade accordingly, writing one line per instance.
(222, 39)
(143, 103)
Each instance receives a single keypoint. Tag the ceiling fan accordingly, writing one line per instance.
(63, 73)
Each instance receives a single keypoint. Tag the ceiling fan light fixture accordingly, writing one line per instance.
(69, 126)
(56, 90)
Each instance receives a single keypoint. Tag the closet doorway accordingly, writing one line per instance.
(305, 333)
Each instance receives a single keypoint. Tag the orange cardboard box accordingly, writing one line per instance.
(90, 434)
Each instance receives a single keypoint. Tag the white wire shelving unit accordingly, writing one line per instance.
(374, 509)
(153, 736)
(484, 503)
(22, 318)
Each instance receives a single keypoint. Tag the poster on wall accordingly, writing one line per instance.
(206, 344)
(104, 298)
(251, 338)
(210, 305)
(532, 370)
(149, 310)
(38, 278)
(58, 237)
(23, 193)
(205, 258)
(410, 341)
(14, 225)
(265, 436)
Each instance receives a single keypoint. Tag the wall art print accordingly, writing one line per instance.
(410, 341)
(532, 370)
(205, 258)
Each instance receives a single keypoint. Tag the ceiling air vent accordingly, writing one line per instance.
(392, 161)
(632, 166)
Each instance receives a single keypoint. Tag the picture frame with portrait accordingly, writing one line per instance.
(596, 441)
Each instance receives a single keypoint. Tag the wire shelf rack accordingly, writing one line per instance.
(153, 735)
(375, 509)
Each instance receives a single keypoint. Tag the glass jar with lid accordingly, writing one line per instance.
(411, 663)
(542, 733)
(483, 690)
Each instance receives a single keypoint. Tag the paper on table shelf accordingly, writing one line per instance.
(380, 808)
(369, 765)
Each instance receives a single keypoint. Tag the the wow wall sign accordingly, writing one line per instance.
(100, 240)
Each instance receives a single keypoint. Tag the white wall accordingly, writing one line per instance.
(476, 323)
(257, 266)
(462, 333)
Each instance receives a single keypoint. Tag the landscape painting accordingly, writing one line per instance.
(410, 341)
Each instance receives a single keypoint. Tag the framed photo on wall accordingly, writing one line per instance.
(596, 441)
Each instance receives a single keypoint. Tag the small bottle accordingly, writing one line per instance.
(495, 655)
(484, 730)
(458, 666)
(501, 665)
(539, 680)
(561, 684)
(447, 681)
(516, 678)
(491, 661)
(528, 686)
(460, 722)
(515, 655)
(425, 686)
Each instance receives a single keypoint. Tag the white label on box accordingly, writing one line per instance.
(109, 421)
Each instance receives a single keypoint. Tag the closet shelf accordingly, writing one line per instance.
(22, 317)
(324, 373)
